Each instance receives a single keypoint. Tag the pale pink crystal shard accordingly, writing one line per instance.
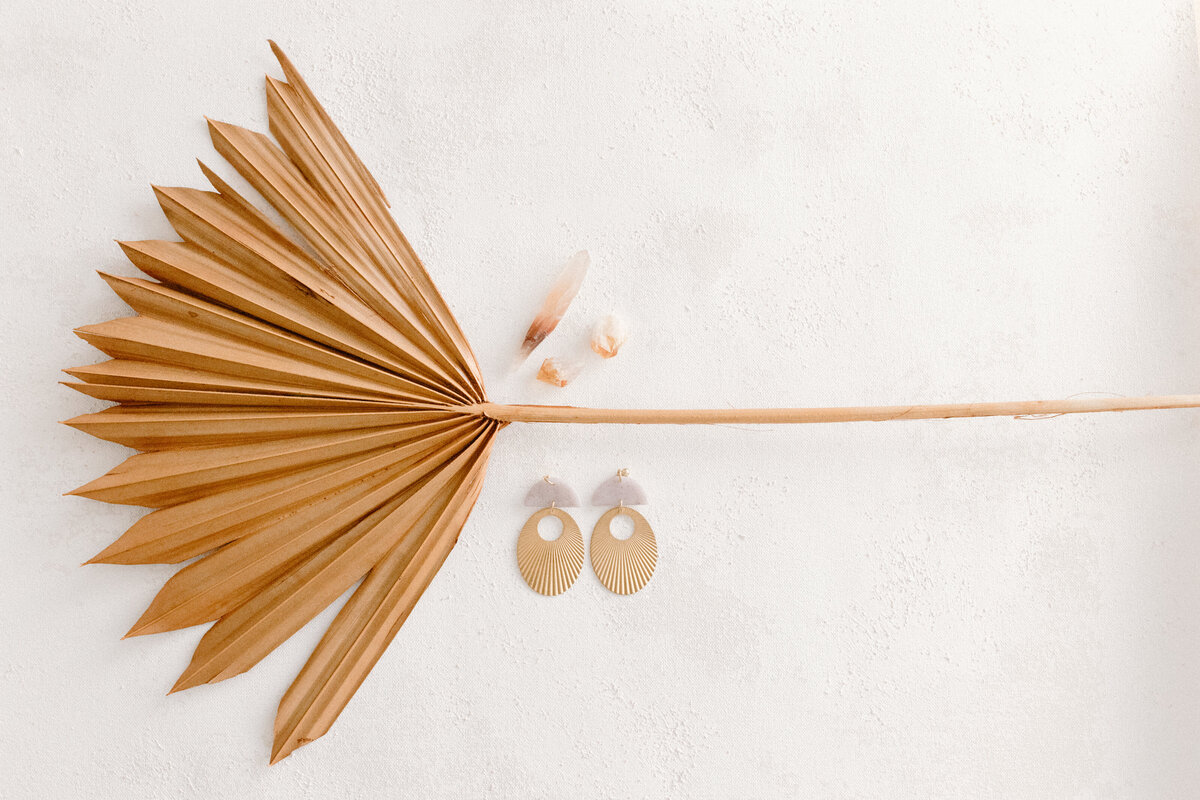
(561, 294)
(608, 336)
(549, 491)
(619, 490)
(558, 371)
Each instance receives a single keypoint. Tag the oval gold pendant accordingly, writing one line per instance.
(550, 567)
(624, 565)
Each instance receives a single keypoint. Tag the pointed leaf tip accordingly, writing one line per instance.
(281, 749)
(104, 556)
(146, 623)
(182, 684)
(136, 630)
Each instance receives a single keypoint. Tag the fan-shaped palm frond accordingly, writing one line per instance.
(311, 415)
(308, 406)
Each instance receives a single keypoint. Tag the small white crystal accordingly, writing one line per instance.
(608, 336)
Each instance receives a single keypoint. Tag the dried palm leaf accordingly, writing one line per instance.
(311, 415)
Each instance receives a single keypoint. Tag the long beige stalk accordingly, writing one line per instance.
(711, 416)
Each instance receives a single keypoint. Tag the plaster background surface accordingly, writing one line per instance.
(793, 204)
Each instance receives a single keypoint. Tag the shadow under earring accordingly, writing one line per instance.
(623, 565)
(550, 566)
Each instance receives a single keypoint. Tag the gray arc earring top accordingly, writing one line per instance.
(619, 490)
(550, 491)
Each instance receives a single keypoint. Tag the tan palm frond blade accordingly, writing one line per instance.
(348, 177)
(166, 426)
(305, 403)
(231, 233)
(215, 585)
(371, 618)
(243, 637)
(186, 530)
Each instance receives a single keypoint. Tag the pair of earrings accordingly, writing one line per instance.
(623, 565)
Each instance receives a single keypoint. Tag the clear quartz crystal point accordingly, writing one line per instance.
(559, 371)
(566, 286)
(608, 335)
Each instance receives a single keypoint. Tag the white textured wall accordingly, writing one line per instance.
(795, 204)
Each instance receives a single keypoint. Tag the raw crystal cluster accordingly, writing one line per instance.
(559, 371)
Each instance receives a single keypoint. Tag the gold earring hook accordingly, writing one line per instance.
(546, 478)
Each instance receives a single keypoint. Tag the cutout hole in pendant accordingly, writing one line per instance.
(621, 526)
(550, 527)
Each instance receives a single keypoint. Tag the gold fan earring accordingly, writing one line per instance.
(623, 565)
(550, 566)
